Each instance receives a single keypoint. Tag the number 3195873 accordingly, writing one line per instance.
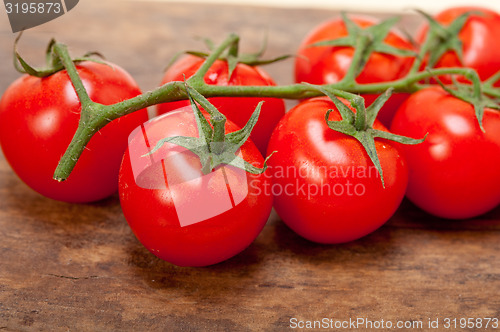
(33, 7)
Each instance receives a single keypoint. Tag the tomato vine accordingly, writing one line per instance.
(95, 116)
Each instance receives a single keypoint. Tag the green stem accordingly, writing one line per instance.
(87, 126)
(172, 91)
(362, 43)
(198, 77)
(217, 145)
(62, 52)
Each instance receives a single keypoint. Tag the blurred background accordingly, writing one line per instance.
(143, 35)
(390, 6)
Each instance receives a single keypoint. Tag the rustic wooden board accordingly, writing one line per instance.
(80, 268)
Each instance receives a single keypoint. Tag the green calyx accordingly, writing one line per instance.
(359, 124)
(213, 146)
(365, 41)
(441, 39)
(233, 57)
(53, 62)
(491, 91)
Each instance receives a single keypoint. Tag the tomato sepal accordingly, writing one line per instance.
(53, 62)
(359, 124)
(441, 39)
(473, 95)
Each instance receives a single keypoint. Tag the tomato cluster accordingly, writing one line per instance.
(323, 183)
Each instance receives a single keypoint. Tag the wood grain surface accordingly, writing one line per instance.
(79, 267)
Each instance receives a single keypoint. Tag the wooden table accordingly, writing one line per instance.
(80, 268)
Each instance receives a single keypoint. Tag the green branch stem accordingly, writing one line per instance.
(62, 52)
(95, 116)
(360, 48)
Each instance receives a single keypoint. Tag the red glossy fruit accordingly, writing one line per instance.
(178, 213)
(38, 118)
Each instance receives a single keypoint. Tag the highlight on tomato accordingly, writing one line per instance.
(470, 39)
(190, 200)
(454, 173)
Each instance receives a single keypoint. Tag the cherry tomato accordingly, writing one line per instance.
(236, 109)
(181, 215)
(479, 37)
(454, 173)
(325, 186)
(328, 64)
(38, 118)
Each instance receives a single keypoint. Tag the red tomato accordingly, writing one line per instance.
(326, 188)
(181, 215)
(454, 173)
(236, 109)
(479, 38)
(38, 118)
(327, 64)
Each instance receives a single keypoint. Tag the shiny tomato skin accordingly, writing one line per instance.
(326, 64)
(237, 109)
(311, 156)
(454, 173)
(153, 212)
(38, 118)
(479, 38)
